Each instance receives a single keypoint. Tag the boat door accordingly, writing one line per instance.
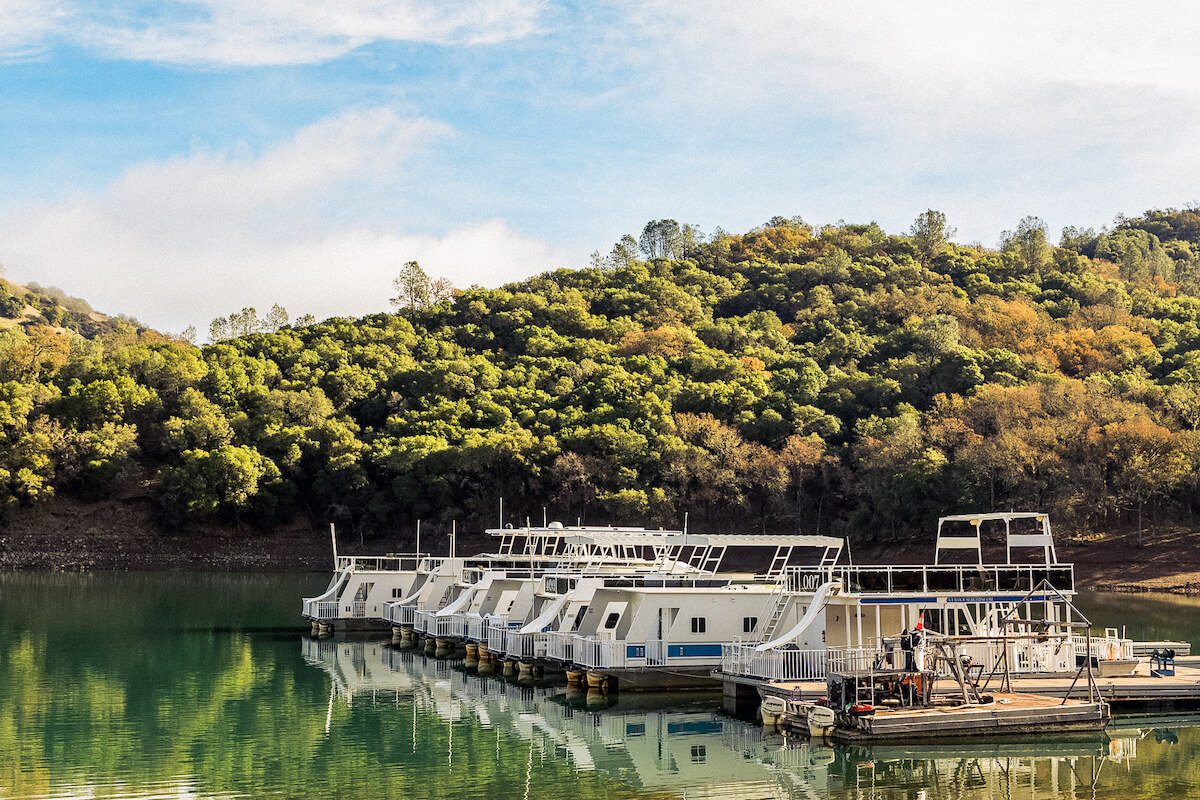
(666, 618)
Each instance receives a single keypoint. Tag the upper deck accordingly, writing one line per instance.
(977, 580)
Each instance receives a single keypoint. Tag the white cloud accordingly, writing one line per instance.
(257, 32)
(183, 241)
(1007, 108)
(25, 25)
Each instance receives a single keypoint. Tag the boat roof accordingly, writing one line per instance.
(992, 515)
(554, 530)
(760, 540)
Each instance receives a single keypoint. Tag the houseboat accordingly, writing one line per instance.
(1020, 610)
(667, 631)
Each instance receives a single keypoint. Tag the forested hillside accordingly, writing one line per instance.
(838, 379)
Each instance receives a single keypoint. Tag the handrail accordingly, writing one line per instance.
(924, 578)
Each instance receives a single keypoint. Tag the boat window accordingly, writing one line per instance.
(699, 753)
(699, 624)
(611, 622)
(749, 624)
(397, 592)
(579, 618)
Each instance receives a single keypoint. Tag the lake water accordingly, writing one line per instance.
(206, 686)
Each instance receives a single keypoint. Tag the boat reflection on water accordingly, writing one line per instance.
(651, 743)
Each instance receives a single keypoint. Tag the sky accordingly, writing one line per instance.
(176, 161)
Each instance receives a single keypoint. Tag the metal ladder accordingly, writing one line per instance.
(779, 562)
(776, 602)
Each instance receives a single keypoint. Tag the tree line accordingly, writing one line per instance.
(796, 377)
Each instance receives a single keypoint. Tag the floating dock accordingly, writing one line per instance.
(1014, 713)
(1139, 691)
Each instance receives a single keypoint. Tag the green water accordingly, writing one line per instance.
(201, 686)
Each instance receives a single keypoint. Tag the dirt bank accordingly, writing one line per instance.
(114, 535)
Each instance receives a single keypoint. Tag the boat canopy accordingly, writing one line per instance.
(1041, 538)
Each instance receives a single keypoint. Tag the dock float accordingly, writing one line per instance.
(1014, 713)
(1139, 691)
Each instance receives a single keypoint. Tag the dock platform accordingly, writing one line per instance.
(1013, 713)
(1139, 691)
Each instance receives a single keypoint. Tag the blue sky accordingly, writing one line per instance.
(180, 160)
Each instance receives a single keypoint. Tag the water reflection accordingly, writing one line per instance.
(702, 753)
(168, 685)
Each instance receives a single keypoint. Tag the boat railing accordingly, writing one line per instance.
(453, 626)
(560, 646)
(478, 627)
(409, 562)
(599, 653)
(430, 624)
(659, 581)
(1025, 656)
(320, 609)
(526, 645)
(403, 614)
(656, 653)
(921, 579)
(497, 640)
(1110, 647)
(794, 665)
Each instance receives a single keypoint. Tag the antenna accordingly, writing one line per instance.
(545, 519)
(333, 536)
(685, 523)
(501, 511)
(418, 543)
(453, 534)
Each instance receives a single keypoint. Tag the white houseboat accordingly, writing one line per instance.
(862, 606)
(667, 631)
(458, 595)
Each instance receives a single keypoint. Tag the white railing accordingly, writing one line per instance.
(526, 645)
(477, 629)
(497, 640)
(1110, 647)
(596, 654)
(923, 579)
(1025, 656)
(396, 563)
(358, 609)
(321, 609)
(560, 646)
(794, 665)
(656, 653)
(429, 623)
(400, 614)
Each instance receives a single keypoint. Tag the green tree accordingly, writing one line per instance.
(412, 288)
(661, 238)
(931, 234)
(1028, 243)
